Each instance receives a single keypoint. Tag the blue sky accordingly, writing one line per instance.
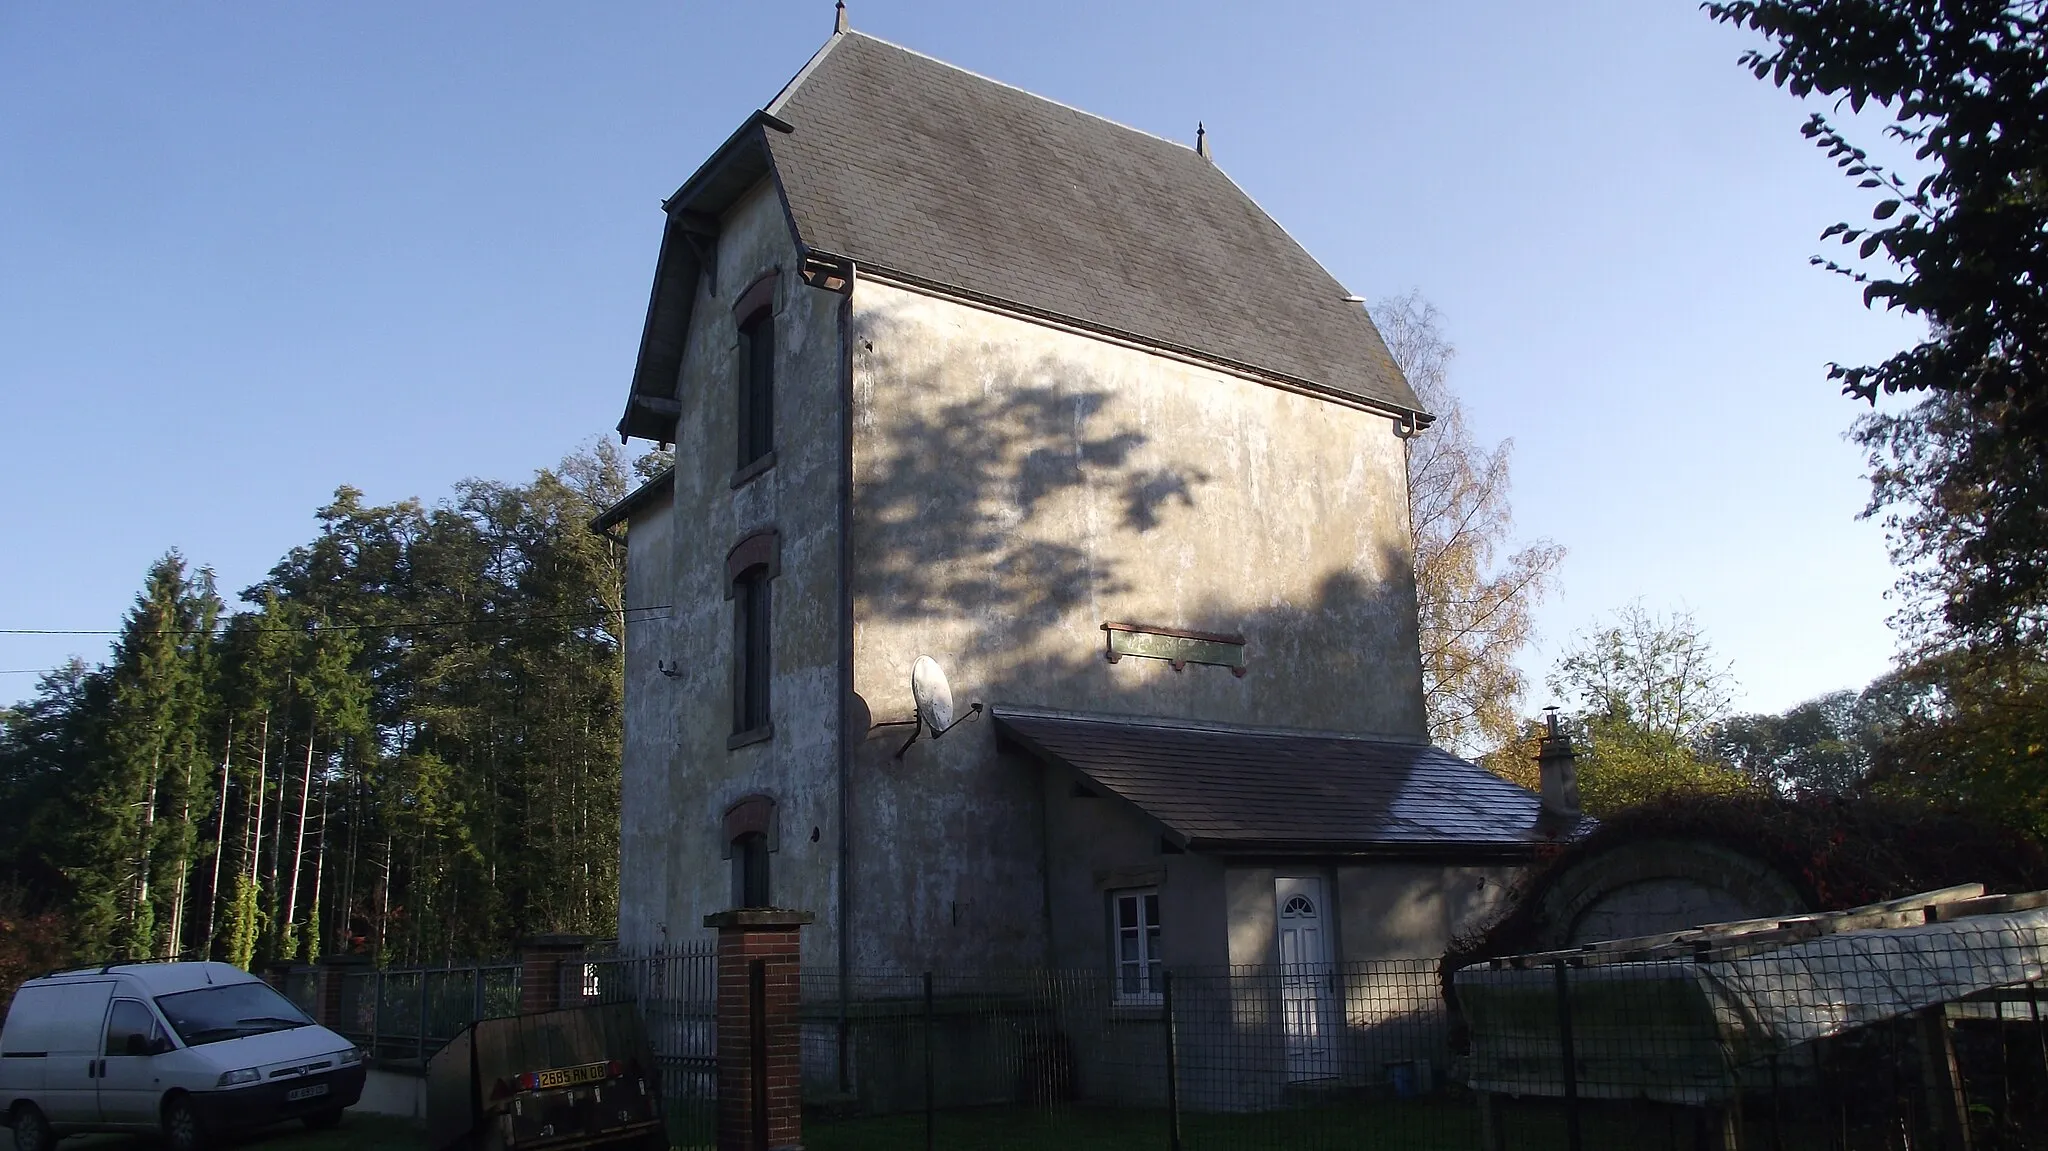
(250, 252)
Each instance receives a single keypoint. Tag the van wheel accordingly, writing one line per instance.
(323, 1120)
(31, 1130)
(182, 1129)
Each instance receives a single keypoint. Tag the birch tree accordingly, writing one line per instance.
(1476, 591)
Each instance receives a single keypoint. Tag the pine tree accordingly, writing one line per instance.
(132, 829)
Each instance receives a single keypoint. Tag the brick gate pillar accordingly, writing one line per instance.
(332, 972)
(542, 963)
(760, 1051)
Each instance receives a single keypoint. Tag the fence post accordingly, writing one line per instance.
(2040, 1036)
(1569, 1057)
(1943, 1080)
(1172, 1063)
(421, 1046)
(931, 1111)
(476, 994)
(760, 1037)
(376, 1010)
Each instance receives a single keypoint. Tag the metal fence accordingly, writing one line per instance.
(1331, 1056)
(1864, 1040)
(677, 993)
(1369, 1055)
(406, 1014)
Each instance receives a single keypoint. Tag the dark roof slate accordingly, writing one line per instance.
(922, 170)
(1220, 789)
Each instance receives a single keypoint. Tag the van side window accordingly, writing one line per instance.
(131, 1029)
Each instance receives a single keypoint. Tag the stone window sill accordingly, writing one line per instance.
(740, 739)
(747, 473)
(1138, 1008)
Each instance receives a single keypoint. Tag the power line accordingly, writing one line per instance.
(396, 625)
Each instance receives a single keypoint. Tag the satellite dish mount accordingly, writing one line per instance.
(934, 699)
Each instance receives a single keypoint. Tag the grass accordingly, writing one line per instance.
(1420, 1125)
(355, 1133)
(1441, 1123)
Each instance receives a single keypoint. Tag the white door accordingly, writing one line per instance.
(1306, 974)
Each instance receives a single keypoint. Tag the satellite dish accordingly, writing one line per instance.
(934, 699)
(933, 695)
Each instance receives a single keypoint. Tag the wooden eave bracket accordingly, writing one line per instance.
(658, 405)
(827, 271)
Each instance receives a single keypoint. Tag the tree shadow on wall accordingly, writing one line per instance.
(959, 503)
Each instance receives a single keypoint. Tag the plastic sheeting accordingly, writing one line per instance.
(1687, 1031)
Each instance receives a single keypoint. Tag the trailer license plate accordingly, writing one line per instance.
(569, 1076)
(313, 1092)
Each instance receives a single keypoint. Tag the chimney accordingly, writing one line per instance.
(1201, 140)
(1558, 767)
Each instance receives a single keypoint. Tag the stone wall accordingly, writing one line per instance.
(1654, 886)
(680, 776)
(1016, 487)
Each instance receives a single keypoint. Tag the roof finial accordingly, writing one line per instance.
(839, 17)
(1201, 140)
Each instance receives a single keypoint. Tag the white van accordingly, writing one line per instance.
(188, 1049)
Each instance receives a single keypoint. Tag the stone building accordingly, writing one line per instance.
(953, 370)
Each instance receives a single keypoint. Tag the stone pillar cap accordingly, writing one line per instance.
(759, 917)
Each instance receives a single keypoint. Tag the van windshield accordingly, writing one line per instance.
(229, 1011)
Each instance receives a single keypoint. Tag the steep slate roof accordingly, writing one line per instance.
(928, 174)
(928, 171)
(1217, 789)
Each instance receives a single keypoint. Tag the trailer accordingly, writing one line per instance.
(568, 1080)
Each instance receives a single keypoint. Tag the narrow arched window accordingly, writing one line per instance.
(751, 609)
(750, 569)
(750, 870)
(757, 387)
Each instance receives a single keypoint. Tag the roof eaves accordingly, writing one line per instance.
(1001, 711)
(734, 147)
(633, 501)
(737, 165)
(1048, 756)
(1374, 849)
(1422, 419)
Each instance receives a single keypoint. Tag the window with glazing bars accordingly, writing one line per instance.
(1136, 915)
